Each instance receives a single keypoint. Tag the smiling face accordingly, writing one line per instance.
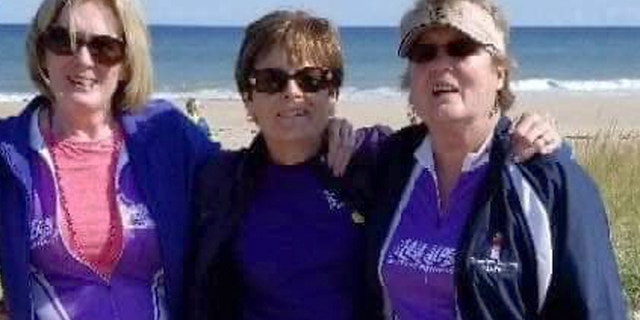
(454, 89)
(78, 82)
(292, 116)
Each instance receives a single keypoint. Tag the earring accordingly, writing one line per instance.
(495, 109)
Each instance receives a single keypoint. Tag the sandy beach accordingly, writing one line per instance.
(579, 115)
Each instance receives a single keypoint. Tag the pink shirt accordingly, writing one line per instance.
(86, 173)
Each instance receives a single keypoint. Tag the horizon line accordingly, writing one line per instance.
(196, 25)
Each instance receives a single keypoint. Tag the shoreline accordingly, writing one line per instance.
(579, 115)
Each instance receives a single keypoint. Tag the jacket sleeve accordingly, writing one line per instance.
(210, 288)
(202, 147)
(202, 152)
(586, 283)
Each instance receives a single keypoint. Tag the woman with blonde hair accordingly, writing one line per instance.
(96, 179)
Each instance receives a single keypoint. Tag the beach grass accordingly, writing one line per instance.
(612, 158)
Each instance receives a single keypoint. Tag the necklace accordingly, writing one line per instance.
(70, 224)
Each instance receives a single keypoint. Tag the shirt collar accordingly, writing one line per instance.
(473, 160)
(37, 143)
(36, 140)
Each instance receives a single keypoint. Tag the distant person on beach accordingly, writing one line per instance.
(457, 229)
(95, 178)
(280, 236)
(193, 107)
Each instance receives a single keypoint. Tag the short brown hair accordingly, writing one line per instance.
(303, 36)
(134, 91)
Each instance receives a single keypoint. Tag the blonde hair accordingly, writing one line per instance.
(132, 92)
(304, 38)
(505, 97)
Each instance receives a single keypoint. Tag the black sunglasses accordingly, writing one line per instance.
(274, 80)
(427, 52)
(106, 50)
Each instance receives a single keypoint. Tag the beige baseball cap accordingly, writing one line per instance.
(467, 17)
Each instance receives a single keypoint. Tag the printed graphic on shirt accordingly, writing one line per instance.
(42, 225)
(42, 232)
(135, 215)
(336, 205)
(493, 264)
(134, 212)
(333, 200)
(417, 255)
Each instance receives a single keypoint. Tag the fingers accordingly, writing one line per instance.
(524, 132)
(548, 141)
(333, 137)
(533, 134)
(523, 154)
(526, 125)
(341, 145)
(551, 137)
(345, 150)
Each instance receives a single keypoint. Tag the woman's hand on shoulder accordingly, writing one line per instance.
(341, 143)
(533, 134)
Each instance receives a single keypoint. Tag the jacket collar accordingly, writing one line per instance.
(15, 140)
(257, 159)
(258, 154)
(15, 130)
(473, 160)
(501, 145)
(413, 138)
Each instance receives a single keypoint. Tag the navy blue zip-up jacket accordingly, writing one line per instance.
(556, 259)
(166, 151)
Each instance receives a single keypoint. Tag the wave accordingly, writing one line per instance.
(544, 84)
(394, 93)
(347, 93)
(212, 94)
(16, 96)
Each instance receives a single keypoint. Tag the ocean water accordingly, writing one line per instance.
(199, 61)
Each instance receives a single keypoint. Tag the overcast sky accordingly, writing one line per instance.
(358, 12)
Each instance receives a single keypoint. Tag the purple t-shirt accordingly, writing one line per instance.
(299, 250)
(418, 260)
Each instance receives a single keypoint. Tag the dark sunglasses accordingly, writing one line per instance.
(274, 80)
(427, 52)
(106, 50)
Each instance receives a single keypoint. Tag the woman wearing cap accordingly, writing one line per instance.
(457, 229)
(94, 194)
(281, 238)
